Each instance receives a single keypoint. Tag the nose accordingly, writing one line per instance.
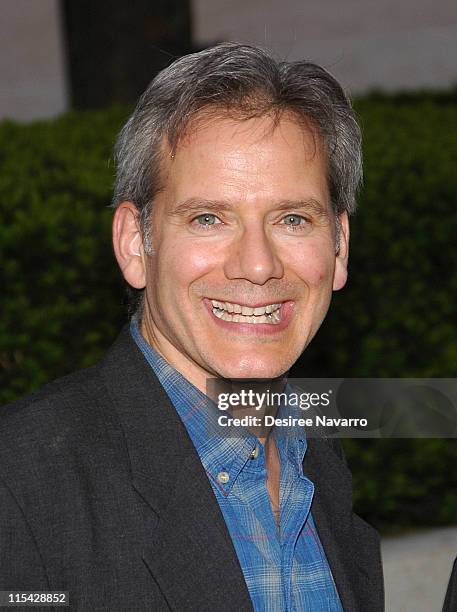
(253, 257)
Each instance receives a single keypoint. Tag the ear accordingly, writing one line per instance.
(341, 263)
(128, 244)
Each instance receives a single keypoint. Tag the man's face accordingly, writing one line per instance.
(243, 250)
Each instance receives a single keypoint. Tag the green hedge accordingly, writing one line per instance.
(62, 297)
(403, 484)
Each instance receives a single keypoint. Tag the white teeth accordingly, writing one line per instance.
(235, 313)
(246, 310)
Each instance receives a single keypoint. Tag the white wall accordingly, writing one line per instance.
(32, 64)
(391, 44)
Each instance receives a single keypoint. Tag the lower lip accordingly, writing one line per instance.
(255, 329)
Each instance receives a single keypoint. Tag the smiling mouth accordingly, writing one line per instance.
(237, 313)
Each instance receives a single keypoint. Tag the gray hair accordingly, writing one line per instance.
(240, 81)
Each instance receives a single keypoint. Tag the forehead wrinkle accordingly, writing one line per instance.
(262, 127)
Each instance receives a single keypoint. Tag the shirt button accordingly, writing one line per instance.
(255, 453)
(223, 477)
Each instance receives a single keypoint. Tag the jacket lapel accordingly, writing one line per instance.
(189, 553)
(350, 544)
(192, 556)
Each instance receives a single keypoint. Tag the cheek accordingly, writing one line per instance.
(314, 265)
(182, 262)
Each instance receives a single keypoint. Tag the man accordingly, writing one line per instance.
(235, 177)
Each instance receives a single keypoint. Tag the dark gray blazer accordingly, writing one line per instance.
(450, 602)
(102, 494)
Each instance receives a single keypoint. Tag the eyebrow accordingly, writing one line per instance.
(312, 205)
(198, 204)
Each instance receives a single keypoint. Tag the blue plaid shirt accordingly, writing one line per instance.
(285, 569)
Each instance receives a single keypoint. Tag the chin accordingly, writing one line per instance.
(255, 369)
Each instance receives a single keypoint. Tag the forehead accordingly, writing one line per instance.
(215, 125)
(257, 157)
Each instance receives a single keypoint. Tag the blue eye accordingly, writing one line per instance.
(294, 220)
(207, 219)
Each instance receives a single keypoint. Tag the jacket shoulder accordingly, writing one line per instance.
(59, 399)
(64, 420)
